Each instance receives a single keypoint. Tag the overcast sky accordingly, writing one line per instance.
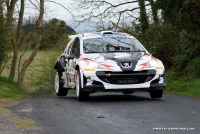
(53, 10)
(56, 11)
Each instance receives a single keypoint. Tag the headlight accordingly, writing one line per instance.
(93, 64)
(96, 65)
(152, 63)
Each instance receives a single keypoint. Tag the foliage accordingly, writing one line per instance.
(44, 76)
(70, 30)
(143, 25)
(52, 33)
(4, 37)
(161, 41)
(192, 69)
(175, 40)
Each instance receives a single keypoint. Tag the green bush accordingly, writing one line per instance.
(161, 40)
(193, 69)
(4, 40)
(43, 78)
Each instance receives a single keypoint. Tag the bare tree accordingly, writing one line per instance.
(15, 17)
(16, 39)
(110, 14)
(154, 11)
(37, 46)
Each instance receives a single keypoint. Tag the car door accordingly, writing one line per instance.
(74, 52)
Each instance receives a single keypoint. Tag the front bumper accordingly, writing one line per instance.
(106, 81)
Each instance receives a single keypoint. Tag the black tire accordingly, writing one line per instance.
(127, 92)
(60, 90)
(81, 95)
(156, 93)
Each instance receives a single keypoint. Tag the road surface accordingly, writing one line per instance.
(105, 113)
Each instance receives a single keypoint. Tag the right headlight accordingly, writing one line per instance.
(155, 63)
(152, 63)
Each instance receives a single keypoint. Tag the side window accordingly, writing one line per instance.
(69, 47)
(66, 48)
(75, 50)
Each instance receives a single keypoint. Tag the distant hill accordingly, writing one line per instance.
(83, 27)
(70, 30)
(28, 27)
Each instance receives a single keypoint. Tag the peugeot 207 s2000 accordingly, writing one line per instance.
(108, 61)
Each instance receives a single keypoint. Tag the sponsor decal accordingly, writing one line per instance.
(118, 55)
(159, 67)
(74, 65)
(89, 69)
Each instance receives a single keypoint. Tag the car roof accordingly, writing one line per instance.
(101, 33)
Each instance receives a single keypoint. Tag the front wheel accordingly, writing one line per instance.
(60, 90)
(81, 95)
(156, 93)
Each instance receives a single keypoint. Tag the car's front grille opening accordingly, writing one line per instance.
(133, 77)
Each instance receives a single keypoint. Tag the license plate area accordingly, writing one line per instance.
(125, 80)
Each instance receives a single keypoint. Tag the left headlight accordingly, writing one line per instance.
(93, 64)
(96, 65)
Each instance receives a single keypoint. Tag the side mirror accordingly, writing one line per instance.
(71, 57)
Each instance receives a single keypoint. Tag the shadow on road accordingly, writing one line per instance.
(114, 97)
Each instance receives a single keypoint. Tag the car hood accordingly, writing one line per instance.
(115, 57)
(119, 61)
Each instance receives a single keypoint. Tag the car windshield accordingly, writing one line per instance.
(112, 44)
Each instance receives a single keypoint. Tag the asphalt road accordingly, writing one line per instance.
(110, 113)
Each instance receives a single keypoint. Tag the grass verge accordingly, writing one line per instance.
(184, 85)
(9, 90)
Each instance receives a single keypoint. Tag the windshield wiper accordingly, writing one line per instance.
(139, 51)
(94, 52)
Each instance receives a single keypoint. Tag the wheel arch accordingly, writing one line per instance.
(77, 68)
(56, 66)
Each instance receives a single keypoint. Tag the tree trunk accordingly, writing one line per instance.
(14, 62)
(154, 11)
(143, 16)
(10, 11)
(1, 31)
(37, 46)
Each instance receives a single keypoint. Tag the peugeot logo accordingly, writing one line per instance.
(126, 64)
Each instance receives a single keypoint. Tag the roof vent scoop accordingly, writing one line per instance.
(106, 32)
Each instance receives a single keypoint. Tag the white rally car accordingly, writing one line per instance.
(108, 61)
